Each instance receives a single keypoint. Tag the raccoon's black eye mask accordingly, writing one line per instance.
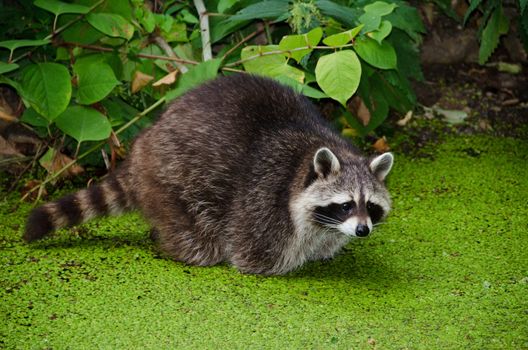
(337, 213)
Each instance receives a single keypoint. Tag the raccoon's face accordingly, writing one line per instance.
(347, 195)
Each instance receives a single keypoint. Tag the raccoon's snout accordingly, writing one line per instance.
(362, 230)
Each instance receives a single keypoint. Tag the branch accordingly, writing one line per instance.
(168, 50)
(142, 55)
(204, 30)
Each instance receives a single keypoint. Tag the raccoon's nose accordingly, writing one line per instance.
(362, 230)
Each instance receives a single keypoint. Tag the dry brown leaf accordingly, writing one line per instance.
(406, 119)
(31, 196)
(59, 160)
(358, 108)
(140, 80)
(168, 79)
(381, 145)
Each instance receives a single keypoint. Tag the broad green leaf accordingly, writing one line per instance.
(309, 39)
(304, 89)
(407, 19)
(497, 25)
(380, 8)
(197, 75)
(12, 45)
(343, 14)
(95, 81)
(177, 33)
(7, 67)
(224, 5)
(338, 74)
(47, 87)
(383, 31)
(111, 24)
(264, 9)
(59, 7)
(407, 53)
(31, 117)
(84, 124)
(380, 56)
(343, 38)
(522, 5)
(370, 21)
(189, 17)
(272, 65)
(79, 32)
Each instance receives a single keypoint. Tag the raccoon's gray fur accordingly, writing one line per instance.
(242, 170)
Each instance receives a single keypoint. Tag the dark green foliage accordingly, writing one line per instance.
(91, 70)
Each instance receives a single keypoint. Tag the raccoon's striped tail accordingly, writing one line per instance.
(109, 197)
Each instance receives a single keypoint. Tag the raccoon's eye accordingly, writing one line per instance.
(346, 207)
(375, 212)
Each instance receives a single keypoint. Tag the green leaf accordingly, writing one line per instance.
(338, 74)
(407, 19)
(380, 56)
(84, 124)
(473, 4)
(343, 38)
(59, 7)
(31, 117)
(7, 67)
(497, 25)
(304, 89)
(12, 45)
(380, 8)
(370, 21)
(309, 39)
(224, 5)
(265, 9)
(111, 24)
(522, 5)
(383, 31)
(273, 65)
(95, 81)
(343, 14)
(197, 75)
(47, 87)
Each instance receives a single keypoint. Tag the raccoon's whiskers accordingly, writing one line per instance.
(326, 219)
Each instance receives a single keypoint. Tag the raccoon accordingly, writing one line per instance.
(240, 170)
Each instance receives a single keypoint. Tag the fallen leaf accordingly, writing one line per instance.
(358, 108)
(406, 119)
(31, 196)
(54, 161)
(452, 116)
(381, 145)
(140, 80)
(168, 79)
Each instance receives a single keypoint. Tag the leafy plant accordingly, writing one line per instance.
(493, 24)
(92, 70)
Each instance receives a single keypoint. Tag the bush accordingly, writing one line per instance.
(90, 71)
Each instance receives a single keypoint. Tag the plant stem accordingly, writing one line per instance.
(162, 43)
(241, 42)
(142, 55)
(207, 52)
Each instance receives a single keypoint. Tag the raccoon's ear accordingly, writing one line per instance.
(325, 162)
(381, 165)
